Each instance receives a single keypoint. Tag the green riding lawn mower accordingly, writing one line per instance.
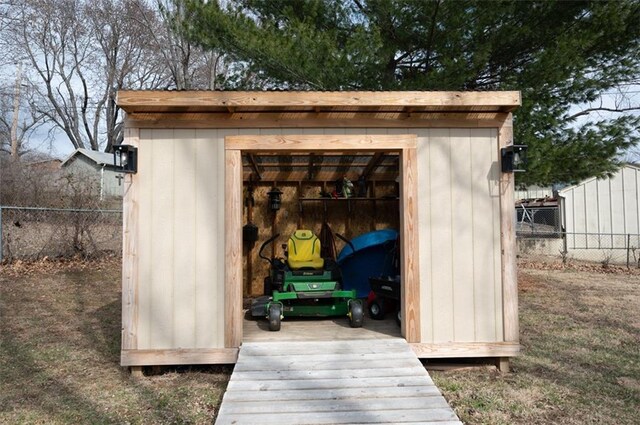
(303, 284)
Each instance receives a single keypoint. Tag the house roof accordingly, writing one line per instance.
(590, 179)
(100, 158)
(158, 101)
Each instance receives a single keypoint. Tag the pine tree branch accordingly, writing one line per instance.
(603, 109)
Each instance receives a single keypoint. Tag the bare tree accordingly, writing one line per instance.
(79, 54)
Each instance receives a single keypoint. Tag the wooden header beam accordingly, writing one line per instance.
(276, 101)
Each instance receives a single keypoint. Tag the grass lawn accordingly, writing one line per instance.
(60, 345)
(580, 334)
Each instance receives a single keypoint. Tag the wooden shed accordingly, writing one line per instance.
(183, 260)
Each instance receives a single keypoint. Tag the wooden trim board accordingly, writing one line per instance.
(410, 265)
(324, 143)
(130, 223)
(465, 349)
(312, 119)
(178, 356)
(162, 100)
(508, 241)
(405, 144)
(233, 249)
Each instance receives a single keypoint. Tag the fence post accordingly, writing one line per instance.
(628, 248)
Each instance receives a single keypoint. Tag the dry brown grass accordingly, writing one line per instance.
(59, 356)
(580, 332)
(60, 344)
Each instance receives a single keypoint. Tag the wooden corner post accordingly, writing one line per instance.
(508, 240)
(233, 249)
(410, 267)
(130, 224)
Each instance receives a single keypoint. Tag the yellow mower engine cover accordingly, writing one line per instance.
(304, 251)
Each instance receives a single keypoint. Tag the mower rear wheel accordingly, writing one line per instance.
(376, 309)
(275, 317)
(356, 314)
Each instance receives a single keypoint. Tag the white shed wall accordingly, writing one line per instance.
(604, 206)
(181, 236)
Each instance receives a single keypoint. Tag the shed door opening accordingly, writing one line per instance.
(332, 195)
(313, 193)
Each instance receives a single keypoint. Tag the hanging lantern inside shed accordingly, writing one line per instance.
(275, 198)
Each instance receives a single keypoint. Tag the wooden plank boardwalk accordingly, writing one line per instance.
(332, 382)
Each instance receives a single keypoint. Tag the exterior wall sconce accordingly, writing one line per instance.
(275, 195)
(514, 158)
(125, 158)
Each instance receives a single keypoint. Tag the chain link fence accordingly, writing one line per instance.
(33, 233)
(609, 248)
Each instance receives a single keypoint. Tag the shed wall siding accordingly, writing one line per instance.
(459, 222)
(181, 256)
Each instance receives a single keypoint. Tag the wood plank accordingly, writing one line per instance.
(144, 179)
(508, 242)
(233, 248)
(323, 347)
(158, 100)
(335, 394)
(311, 120)
(424, 204)
(161, 315)
(410, 267)
(130, 240)
(329, 374)
(277, 142)
(369, 417)
(341, 405)
(283, 364)
(328, 357)
(326, 384)
(466, 349)
(178, 356)
(209, 245)
(462, 229)
(441, 233)
(184, 279)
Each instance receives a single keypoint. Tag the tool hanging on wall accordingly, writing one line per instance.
(250, 230)
(249, 234)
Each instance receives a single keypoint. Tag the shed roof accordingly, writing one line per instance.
(155, 101)
(100, 158)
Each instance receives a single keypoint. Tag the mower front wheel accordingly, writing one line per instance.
(275, 317)
(356, 314)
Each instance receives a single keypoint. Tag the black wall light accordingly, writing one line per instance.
(274, 198)
(514, 158)
(125, 158)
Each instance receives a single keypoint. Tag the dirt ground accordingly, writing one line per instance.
(60, 343)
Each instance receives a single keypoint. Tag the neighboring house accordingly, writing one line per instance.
(603, 214)
(95, 168)
(45, 164)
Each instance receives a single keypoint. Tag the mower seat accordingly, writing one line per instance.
(304, 251)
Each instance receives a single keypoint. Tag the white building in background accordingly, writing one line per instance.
(603, 214)
(533, 192)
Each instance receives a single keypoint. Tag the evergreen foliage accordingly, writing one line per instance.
(557, 53)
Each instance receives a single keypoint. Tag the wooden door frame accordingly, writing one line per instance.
(405, 145)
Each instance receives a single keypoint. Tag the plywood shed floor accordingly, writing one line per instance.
(320, 329)
(332, 382)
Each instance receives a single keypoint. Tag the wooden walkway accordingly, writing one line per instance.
(332, 382)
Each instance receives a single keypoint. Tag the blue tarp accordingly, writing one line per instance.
(373, 258)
